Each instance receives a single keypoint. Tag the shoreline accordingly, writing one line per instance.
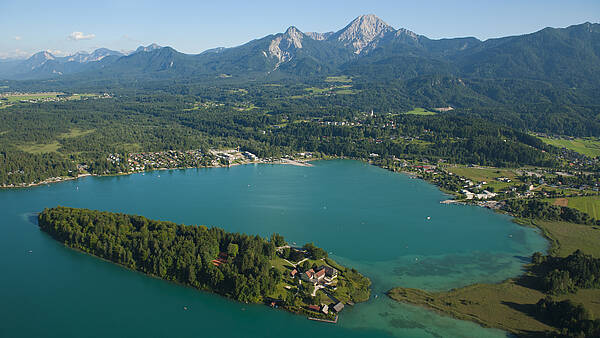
(53, 180)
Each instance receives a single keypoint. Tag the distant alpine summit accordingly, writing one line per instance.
(362, 32)
(367, 47)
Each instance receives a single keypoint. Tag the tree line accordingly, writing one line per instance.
(231, 264)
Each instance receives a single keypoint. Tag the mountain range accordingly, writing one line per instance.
(366, 47)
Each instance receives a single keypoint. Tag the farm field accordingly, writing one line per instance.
(342, 78)
(40, 148)
(588, 204)
(420, 111)
(7, 100)
(489, 175)
(587, 146)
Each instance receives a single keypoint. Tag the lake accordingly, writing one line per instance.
(364, 216)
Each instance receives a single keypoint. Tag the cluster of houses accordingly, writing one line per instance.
(322, 276)
(337, 308)
(161, 159)
(484, 195)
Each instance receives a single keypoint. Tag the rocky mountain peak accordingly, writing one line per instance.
(283, 45)
(319, 36)
(148, 48)
(45, 55)
(294, 36)
(362, 30)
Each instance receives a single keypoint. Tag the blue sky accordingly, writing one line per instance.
(193, 26)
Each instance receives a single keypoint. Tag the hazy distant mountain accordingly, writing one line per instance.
(97, 55)
(148, 48)
(367, 46)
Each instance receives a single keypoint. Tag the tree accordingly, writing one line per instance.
(278, 240)
(232, 250)
(315, 252)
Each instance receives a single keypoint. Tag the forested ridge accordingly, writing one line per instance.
(38, 141)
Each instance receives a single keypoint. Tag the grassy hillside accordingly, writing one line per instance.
(588, 146)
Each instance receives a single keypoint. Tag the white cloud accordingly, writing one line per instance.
(17, 38)
(15, 54)
(57, 52)
(76, 36)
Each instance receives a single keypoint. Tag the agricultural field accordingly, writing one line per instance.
(588, 204)
(420, 111)
(7, 100)
(39, 148)
(339, 90)
(341, 79)
(588, 146)
(489, 175)
(569, 237)
(75, 132)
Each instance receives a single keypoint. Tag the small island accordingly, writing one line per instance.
(250, 269)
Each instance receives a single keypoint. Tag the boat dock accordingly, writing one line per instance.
(325, 320)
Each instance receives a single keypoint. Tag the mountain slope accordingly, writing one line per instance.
(367, 47)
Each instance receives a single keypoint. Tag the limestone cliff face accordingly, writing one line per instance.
(283, 46)
(363, 31)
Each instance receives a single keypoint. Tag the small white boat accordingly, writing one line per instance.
(428, 217)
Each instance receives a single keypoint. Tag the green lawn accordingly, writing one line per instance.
(588, 146)
(75, 132)
(420, 111)
(488, 175)
(341, 78)
(571, 237)
(39, 148)
(345, 91)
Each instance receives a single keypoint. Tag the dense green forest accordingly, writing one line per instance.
(537, 209)
(170, 251)
(560, 275)
(44, 140)
(573, 319)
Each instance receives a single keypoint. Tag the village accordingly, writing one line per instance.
(172, 159)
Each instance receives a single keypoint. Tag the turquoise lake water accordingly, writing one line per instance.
(366, 217)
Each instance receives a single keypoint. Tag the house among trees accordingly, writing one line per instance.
(293, 273)
(308, 276)
(330, 273)
(323, 272)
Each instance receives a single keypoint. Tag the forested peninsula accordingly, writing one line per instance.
(246, 268)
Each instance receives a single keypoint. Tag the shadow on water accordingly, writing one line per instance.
(523, 259)
(32, 218)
